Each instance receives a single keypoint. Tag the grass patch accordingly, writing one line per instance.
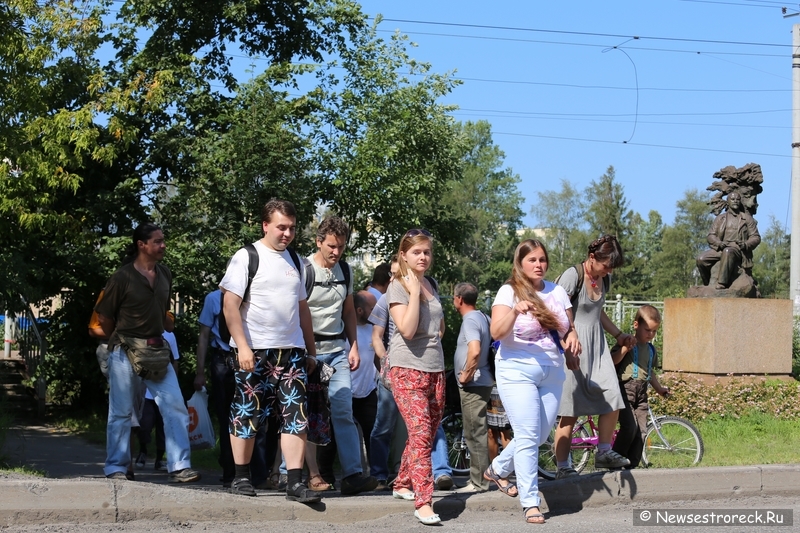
(24, 470)
(89, 425)
(752, 439)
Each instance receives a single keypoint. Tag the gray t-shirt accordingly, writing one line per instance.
(474, 327)
(424, 351)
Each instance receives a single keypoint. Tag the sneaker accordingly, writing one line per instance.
(159, 465)
(141, 460)
(187, 475)
(566, 471)
(302, 494)
(382, 485)
(117, 476)
(283, 480)
(129, 475)
(610, 459)
(357, 483)
(242, 487)
(443, 482)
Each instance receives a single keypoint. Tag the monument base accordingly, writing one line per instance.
(721, 336)
(711, 379)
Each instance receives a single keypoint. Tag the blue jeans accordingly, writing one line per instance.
(340, 393)
(382, 431)
(530, 394)
(167, 394)
(381, 439)
(439, 455)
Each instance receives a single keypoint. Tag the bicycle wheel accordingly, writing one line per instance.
(672, 442)
(457, 451)
(580, 452)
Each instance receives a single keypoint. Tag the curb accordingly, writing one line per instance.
(28, 501)
(643, 485)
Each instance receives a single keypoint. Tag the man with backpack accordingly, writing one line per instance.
(269, 322)
(333, 315)
(475, 381)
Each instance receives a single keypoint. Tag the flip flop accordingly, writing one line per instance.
(533, 518)
(491, 475)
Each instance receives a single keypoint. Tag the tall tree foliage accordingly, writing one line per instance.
(561, 220)
(681, 244)
(771, 261)
(384, 145)
(607, 210)
(488, 201)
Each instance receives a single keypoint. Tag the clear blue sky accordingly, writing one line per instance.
(561, 103)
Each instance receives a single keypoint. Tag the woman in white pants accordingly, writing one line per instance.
(532, 320)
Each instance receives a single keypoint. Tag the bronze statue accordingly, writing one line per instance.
(726, 268)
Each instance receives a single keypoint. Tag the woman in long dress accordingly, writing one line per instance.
(593, 389)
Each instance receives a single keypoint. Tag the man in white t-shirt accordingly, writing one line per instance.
(272, 337)
(333, 316)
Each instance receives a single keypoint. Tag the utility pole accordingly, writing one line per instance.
(794, 270)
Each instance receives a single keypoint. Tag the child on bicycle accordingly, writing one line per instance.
(635, 371)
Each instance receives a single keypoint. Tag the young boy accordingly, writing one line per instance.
(635, 370)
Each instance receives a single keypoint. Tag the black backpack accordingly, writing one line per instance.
(493, 346)
(311, 275)
(252, 268)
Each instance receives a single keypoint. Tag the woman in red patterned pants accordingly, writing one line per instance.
(417, 368)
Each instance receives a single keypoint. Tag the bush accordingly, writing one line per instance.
(693, 399)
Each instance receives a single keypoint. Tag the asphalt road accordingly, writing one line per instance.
(606, 519)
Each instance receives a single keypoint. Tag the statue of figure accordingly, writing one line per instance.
(726, 268)
(732, 238)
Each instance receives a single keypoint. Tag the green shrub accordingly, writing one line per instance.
(693, 399)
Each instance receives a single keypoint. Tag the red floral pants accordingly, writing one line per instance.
(420, 400)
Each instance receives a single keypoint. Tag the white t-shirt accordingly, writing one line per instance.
(364, 379)
(271, 315)
(527, 339)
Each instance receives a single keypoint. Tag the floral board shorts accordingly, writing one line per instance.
(273, 392)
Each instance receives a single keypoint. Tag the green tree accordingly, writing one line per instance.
(771, 261)
(102, 145)
(561, 224)
(607, 209)
(384, 145)
(644, 243)
(487, 198)
(675, 265)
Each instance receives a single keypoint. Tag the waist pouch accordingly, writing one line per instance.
(149, 357)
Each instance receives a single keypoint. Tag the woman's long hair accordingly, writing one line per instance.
(409, 240)
(607, 248)
(524, 288)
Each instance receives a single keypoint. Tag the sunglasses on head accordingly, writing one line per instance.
(418, 231)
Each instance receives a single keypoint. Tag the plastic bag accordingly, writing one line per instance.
(201, 431)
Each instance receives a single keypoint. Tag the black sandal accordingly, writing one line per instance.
(302, 494)
(242, 487)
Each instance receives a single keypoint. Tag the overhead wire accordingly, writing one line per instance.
(648, 145)
(588, 34)
(567, 43)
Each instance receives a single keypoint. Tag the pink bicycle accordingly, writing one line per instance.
(670, 442)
